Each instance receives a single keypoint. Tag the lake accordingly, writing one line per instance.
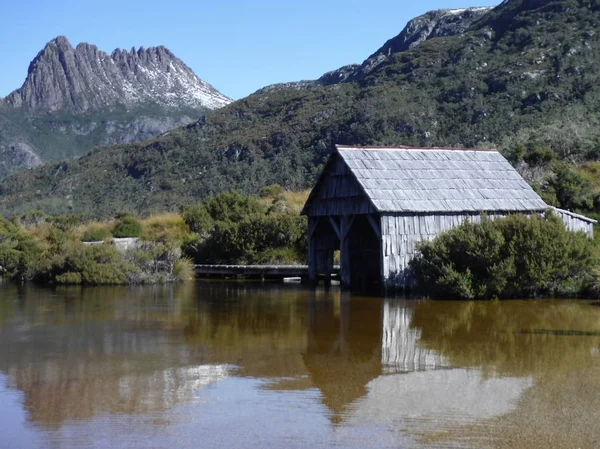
(242, 365)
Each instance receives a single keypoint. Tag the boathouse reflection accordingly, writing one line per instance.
(343, 353)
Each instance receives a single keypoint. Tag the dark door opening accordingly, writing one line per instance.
(365, 256)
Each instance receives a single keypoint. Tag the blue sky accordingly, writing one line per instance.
(238, 46)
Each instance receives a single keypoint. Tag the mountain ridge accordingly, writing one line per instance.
(85, 78)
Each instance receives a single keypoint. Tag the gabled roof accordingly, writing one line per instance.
(407, 179)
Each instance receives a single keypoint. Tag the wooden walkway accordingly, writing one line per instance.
(256, 271)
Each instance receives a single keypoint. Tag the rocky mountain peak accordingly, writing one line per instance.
(437, 23)
(77, 80)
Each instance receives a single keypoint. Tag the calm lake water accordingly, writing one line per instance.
(238, 366)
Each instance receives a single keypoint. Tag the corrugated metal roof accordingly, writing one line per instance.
(406, 179)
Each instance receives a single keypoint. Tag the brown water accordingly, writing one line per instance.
(214, 366)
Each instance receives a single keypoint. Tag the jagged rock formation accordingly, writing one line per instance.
(439, 23)
(81, 79)
(74, 99)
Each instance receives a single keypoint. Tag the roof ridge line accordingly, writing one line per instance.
(408, 148)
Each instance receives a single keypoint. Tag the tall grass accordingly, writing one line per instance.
(184, 269)
(293, 200)
(168, 228)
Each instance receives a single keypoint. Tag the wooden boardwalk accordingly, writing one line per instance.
(256, 271)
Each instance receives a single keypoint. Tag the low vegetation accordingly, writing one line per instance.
(514, 257)
(227, 228)
(235, 228)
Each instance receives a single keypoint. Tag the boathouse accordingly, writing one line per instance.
(375, 204)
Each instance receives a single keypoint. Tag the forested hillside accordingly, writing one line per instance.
(525, 77)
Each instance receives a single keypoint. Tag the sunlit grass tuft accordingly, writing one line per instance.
(167, 227)
(184, 269)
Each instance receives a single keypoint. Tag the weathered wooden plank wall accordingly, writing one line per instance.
(400, 234)
(339, 193)
(576, 223)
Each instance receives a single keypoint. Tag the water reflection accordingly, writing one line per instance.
(343, 353)
(401, 345)
(218, 360)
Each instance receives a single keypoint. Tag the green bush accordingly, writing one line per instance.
(236, 228)
(69, 278)
(66, 222)
(233, 206)
(572, 191)
(183, 269)
(17, 251)
(96, 235)
(252, 239)
(506, 258)
(197, 218)
(128, 227)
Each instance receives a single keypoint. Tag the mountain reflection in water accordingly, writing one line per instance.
(246, 366)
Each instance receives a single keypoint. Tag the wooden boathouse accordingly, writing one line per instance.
(375, 204)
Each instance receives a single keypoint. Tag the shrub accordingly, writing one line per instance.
(251, 239)
(128, 227)
(69, 278)
(506, 258)
(33, 218)
(197, 219)
(571, 190)
(96, 235)
(66, 222)
(55, 255)
(233, 206)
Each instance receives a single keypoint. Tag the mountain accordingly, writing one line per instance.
(82, 79)
(438, 23)
(523, 77)
(74, 99)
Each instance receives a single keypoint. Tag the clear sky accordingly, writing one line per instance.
(238, 46)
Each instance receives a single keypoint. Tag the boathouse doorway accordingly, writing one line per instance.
(365, 256)
(358, 241)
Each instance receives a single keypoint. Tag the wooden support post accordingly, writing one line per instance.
(335, 227)
(313, 222)
(346, 224)
(382, 269)
(375, 224)
(313, 274)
